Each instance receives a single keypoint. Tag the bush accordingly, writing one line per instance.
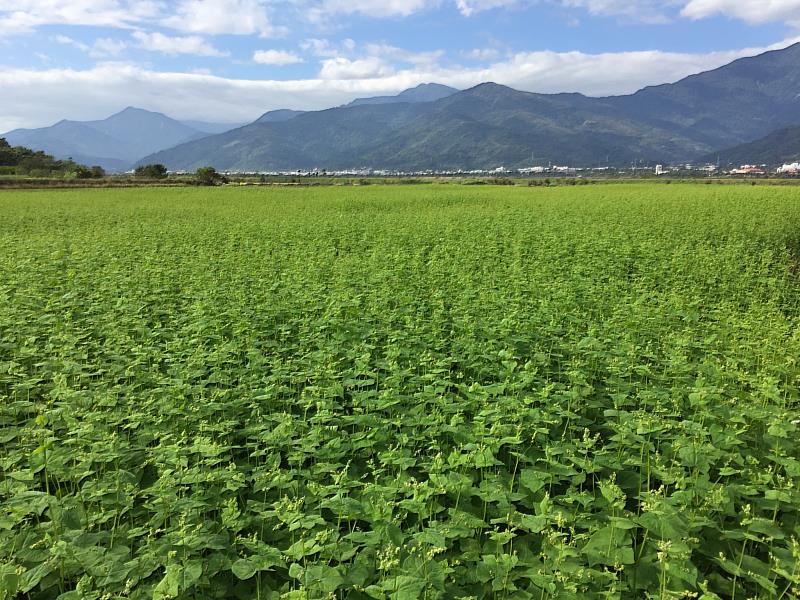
(155, 171)
(209, 176)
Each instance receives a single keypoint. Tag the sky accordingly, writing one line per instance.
(232, 60)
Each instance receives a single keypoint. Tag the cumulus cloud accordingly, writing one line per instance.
(158, 42)
(276, 57)
(239, 17)
(35, 98)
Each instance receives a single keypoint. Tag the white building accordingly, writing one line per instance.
(790, 169)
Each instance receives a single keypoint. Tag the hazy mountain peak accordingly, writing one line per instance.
(279, 116)
(425, 92)
(490, 87)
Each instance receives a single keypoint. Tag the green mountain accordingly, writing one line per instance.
(491, 125)
(778, 148)
(115, 143)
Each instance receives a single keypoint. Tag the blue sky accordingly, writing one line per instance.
(231, 60)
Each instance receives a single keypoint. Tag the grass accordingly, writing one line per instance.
(400, 392)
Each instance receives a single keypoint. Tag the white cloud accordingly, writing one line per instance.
(319, 47)
(68, 41)
(102, 48)
(33, 98)
(253, 17)
(370, 8)
(389, 52)
(470, 7)
(241, 17)
(276, 57)
(158, 42)
(372, 59)
(326, 48)
(752, 11)
(645, 11)
(482, 54)
(22, 16)
(215, 17)
(342, 68)
(659, 11)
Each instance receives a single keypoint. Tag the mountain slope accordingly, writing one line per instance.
(738, 102)
(492, 125)
(114, 143)
(778, 148)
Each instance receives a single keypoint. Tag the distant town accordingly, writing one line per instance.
(684, 170)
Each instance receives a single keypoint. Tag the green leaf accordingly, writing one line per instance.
(609, 546)
(323, 578)
(244, 569)
(404, 587)
(30, 579)
(169, 586)
(192, 571)
(9, 580)
(533, 480)
(484, 459)
(534, 524)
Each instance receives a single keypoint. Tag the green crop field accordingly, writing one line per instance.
(411, 392)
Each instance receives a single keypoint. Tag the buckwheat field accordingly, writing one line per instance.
(410, 392)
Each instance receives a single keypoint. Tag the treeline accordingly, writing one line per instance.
(21, 161)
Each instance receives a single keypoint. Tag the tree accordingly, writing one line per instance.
(82, 172)
(151, 171)
(209, 176)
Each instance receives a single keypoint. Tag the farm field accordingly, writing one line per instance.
(400, 392)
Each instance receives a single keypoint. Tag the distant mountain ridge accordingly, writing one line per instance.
(279, 116)
(115, 143)
(425, 92)
(492, 125)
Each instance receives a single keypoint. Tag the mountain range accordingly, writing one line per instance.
(726, 112)
(115, 143)
(492, 125)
